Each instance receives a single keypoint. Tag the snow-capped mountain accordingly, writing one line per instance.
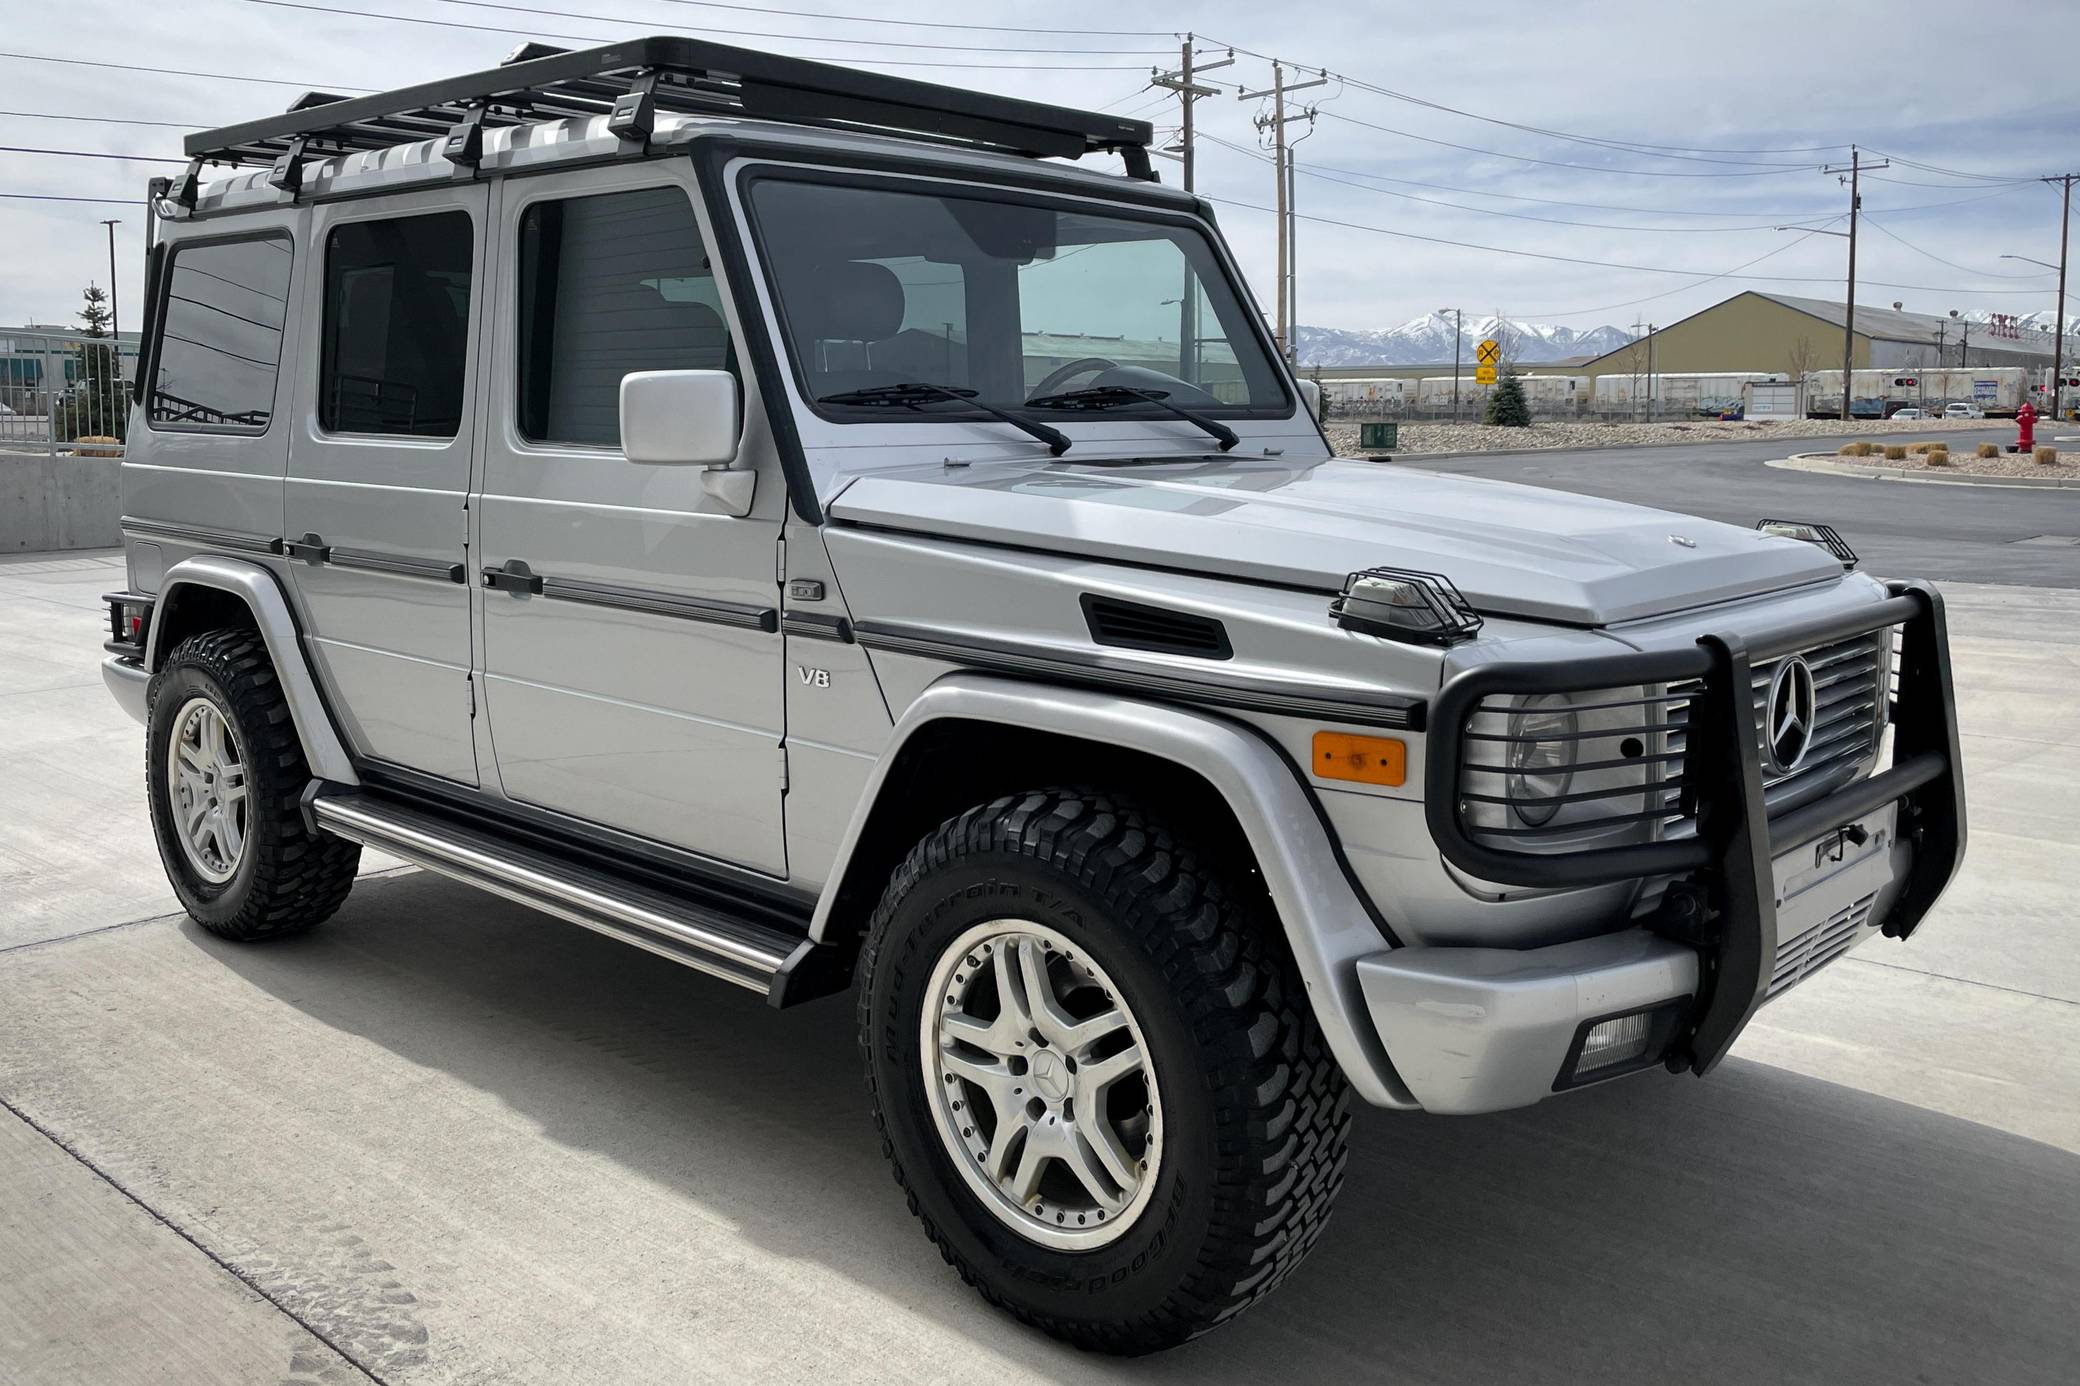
(2039, 321)
(1428, 341)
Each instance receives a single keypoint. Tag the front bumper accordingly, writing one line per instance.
(126, 678)
(1764, 901)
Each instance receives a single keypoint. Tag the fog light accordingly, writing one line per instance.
(1613, 1042)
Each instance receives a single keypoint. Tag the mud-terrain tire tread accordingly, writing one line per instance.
(1283, 1105)
(298, 879)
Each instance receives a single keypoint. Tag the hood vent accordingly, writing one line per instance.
(1133, 626)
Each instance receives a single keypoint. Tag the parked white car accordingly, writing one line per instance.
(1962, 410)
(1910, 413)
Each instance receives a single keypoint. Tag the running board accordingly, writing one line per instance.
(751, 954)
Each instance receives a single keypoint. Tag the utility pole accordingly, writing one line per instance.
(1282, 176)
(1185, 83)
(115, 318)
(2058, 323)
(1458, 336)
(1189, 89)
(1855, 172)
(1650, 372)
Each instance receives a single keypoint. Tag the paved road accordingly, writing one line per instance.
(2001, 534)
(445, 1140)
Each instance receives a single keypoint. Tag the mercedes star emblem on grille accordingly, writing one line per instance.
(1788, 719)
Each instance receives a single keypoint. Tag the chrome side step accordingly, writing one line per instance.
(750, 954)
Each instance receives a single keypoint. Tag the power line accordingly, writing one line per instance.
(598, 39)
(1530, 159)
(1683, 288)
(810, 38)
(921, 23)
(63, 197)
(98, 120)
(1929, 254)
(180, 72)
(1324, 172)
(1605, 264)
(89, 154)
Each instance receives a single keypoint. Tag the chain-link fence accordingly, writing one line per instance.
(64, 393)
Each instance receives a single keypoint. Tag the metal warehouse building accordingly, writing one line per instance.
(1776, 332)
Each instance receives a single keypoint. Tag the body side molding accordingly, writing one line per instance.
(262, 594)
(1324, 919)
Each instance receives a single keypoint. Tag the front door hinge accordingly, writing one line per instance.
(780, 560)
(469, 684)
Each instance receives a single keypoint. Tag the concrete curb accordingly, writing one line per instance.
(1825, 463)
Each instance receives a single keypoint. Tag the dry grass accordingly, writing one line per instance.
(1928, 447)
(2047, 457)
(1939, 458)
(1989, 450)
(1895, 453)
(1856, 450)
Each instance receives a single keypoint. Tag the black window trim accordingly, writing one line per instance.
(473, 328)
(161, 272)
(522, 441)
(777, 169)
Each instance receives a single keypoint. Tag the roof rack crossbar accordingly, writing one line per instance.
(684, 75)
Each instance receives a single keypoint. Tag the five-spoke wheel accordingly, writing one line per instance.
(1041, 1085)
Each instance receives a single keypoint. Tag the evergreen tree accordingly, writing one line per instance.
(95, 405)
(1507, 407)
(93, 314)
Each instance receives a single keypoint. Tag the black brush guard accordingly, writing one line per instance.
(1729, 858)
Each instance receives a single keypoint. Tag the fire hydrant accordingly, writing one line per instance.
(2026, 424)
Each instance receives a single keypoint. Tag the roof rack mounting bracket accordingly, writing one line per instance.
(464, 146)
(188, 186)
(287, 173)
(634, 115)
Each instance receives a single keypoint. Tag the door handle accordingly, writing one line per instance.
(513, 576)
(309, 549)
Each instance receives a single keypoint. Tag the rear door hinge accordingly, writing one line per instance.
(780, 560)
(782, 749)
(469, 684)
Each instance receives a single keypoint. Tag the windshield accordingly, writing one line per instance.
(1011, 299)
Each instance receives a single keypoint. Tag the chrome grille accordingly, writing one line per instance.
(1801, 956)
(1851, 682)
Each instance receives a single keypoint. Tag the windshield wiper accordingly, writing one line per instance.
(919, 392)
(1115, 396)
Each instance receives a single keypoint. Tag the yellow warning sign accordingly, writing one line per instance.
(1489, 352)
(1484, 375)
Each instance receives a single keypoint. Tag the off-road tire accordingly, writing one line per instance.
(1256, 1112)
(288, 878)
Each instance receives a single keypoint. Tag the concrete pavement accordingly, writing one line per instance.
(446, 1140)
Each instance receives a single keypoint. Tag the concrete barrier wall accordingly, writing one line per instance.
(59, 503)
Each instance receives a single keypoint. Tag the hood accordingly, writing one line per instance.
(1513, 550)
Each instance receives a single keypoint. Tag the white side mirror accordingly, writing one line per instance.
(1311, 396)
(679, 418)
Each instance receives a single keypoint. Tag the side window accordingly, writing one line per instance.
(610, 284)
(396, 326)
(220, 336)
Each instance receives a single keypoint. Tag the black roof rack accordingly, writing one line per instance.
(684, 75)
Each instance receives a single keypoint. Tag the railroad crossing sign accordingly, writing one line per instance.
(1484, 375)
(1488, 353)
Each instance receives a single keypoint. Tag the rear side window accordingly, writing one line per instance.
(610, 284)
(220, 336)
(396, 326)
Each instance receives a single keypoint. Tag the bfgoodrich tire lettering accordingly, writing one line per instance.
(1254, 1111)
(285, 879)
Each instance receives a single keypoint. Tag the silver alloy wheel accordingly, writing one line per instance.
(1041, 1085)
(206, 789)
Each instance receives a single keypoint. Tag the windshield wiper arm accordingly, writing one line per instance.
(1114, 396)
(917, 392)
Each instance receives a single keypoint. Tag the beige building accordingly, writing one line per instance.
(1777, 332)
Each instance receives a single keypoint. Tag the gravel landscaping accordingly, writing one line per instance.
(1437, 438)
(1964, 464)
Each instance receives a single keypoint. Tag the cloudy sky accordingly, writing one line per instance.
(1650, 137)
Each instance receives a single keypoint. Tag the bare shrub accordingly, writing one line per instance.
(1939, 458)
(2047, 457)
(1895, 453)
(1989, 450)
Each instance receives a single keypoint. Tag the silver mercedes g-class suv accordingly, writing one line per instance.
(794, 521)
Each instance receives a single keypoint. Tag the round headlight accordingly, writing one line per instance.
(1541, 759)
